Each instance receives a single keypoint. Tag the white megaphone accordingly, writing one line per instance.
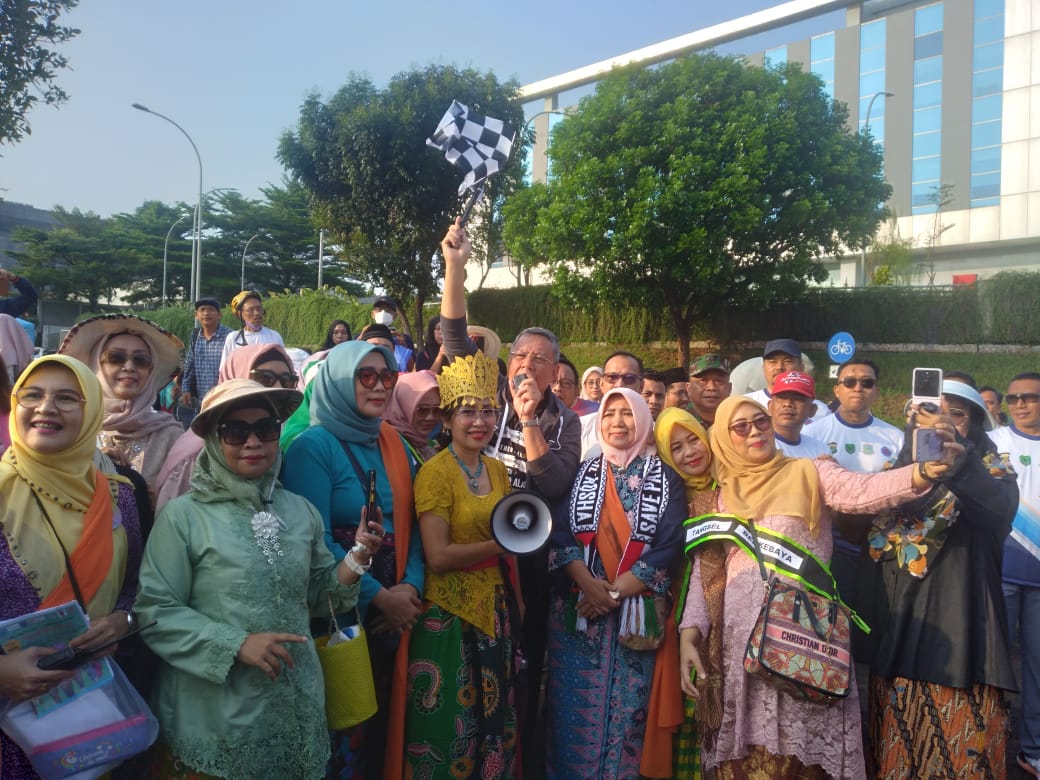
(521, 522)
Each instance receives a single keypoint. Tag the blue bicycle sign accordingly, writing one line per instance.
(841, 347)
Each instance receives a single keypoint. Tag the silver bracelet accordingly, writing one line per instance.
(353, 563)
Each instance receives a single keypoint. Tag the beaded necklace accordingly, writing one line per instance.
(474, 478)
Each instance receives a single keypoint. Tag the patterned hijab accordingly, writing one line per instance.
(644, 423)
(780, 486)
(333, 404)
(667, 421)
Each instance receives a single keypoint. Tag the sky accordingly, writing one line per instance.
(233, 74)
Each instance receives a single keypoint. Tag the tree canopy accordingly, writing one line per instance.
(29, 66)
(701, 183)
(385, 195)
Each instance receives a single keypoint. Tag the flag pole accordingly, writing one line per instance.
(478, 193)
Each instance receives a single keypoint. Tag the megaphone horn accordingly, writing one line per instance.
(521, 522)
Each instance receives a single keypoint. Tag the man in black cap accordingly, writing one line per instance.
(202, 364)
(779, 357)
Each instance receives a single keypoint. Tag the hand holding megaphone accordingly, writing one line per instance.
(521, 522)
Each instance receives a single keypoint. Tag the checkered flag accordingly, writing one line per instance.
(479, 145)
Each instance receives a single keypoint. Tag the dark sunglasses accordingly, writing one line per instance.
(368, 377)
(626, 380)
(117, 357)
(1026, 398)
(270, 378)
(865, 382)
(427, 411)
(743, 428)
(237, 432)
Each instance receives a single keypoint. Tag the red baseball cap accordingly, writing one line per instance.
(794, 382)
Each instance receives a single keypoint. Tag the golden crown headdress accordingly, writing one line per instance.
(470, 380)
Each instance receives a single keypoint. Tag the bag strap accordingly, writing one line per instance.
(758, 552)
(68, 561)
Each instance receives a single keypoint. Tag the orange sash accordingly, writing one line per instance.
(398, 472)
(92, 557)
(613, 532)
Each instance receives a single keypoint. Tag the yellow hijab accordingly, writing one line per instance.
(666, 422)
(780, 486)
(65, 484)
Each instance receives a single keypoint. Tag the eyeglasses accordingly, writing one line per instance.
(117, 357)
(863, 381)
(532, 358)
(427, 411)
(249, 311)
(237, 432)
(368, 377)
(468, 414)
(1026, 398)
(34, 398)
(625, 380)
(267, 378)
(564, 383)
(592, 382)
(743, 427)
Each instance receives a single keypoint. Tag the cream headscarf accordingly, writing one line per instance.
(780, 486)
(65, 483)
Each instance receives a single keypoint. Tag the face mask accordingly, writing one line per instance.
(383, 317)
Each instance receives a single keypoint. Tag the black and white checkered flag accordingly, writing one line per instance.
(479, 145)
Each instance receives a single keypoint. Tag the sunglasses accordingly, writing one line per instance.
(626, 380)
(237, 432)
(865, 382)
(743, 428)
(117, 357)
(1026, 398)
(427, 411)
(960, 414)
(368, 377)
(269, 378)
(34, 398)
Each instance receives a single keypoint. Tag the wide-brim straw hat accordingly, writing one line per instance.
(492, 343)
(164, 346)
(238, 393)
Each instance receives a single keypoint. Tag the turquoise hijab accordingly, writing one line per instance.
(333, 404)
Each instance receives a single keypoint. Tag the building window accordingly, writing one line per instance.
(926, 167)
(821, 61)
(872, 41)
(776, 57)
(987, 85)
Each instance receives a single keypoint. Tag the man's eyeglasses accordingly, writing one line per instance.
(625, 380)
(532, 358)
(267, 378)
(564, 383)
(250, 311)
(468, 414)
(1026, 398)
(118, 357)
(237, 432)
(743, 427)
(427, 411)
(368, 377)
(34, 398)
(863, 381)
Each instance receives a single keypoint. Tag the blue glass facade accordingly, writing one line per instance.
(872, 41)
(821, 60)
(987, 84)
(926, 152)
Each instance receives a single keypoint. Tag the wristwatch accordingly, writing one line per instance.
(529, 423)
(131, 620)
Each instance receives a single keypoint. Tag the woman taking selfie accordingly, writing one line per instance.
(764, 728)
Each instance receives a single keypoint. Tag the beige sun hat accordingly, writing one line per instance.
(492, 343)
(84, 336)
(236, 393)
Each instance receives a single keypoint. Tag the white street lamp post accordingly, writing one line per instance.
(196, 259)
(165, 252)
(244, 250)
(866, 128)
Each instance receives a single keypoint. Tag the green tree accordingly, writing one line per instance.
(703, 183)
(891, 259)
(82, 259)
(143, 233)
(520, 232)
(385, 196)
(28, 65)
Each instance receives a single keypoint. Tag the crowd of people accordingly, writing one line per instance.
(363, 480)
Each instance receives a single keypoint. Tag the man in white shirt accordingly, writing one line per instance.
(780, 356)
(1021, 442)
(249, 308)
(790, 405)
